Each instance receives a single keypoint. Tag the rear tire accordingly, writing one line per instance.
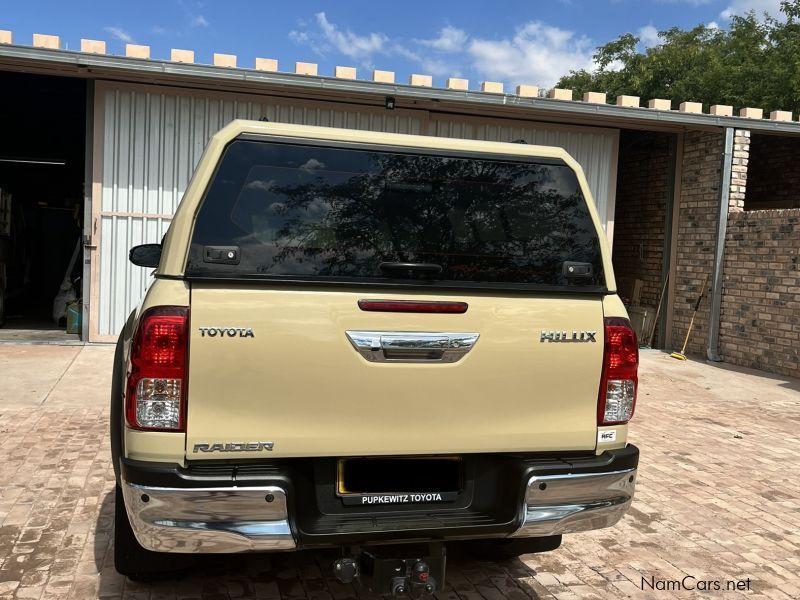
(133, 561)
(116, 408)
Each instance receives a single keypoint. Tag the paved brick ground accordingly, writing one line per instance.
(718, 497)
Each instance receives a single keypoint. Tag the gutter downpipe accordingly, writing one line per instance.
(719, 252)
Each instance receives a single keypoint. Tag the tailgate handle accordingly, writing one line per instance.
(410, 346)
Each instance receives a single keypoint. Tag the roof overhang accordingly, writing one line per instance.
(158, 72)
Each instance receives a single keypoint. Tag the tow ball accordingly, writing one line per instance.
(388, 570)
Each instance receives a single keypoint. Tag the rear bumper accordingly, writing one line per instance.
(558, 504)
(171, 510)
(215, 520)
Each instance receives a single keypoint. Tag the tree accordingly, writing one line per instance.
(752, 63)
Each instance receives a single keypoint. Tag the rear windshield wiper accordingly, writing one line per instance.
(409, 269)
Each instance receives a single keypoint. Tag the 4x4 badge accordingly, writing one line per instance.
(561, 336)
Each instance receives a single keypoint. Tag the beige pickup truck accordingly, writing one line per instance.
(376, 342)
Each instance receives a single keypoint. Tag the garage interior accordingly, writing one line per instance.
(773, 177)
(42, 171)
(645, 183)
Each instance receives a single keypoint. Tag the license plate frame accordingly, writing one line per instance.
(380, 492)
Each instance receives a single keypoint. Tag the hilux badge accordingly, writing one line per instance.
(561, 336)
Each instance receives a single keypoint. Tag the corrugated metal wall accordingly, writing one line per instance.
(153, 138)
(151, 144)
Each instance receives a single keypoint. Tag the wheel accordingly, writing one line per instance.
(117, 420)
(116, 410)
(130, 558)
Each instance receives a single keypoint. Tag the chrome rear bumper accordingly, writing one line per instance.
(253, 519)
(556, 504)
(224, 520)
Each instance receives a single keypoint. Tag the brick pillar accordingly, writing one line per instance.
(741, 156)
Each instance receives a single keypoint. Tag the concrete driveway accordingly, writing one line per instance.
(718, 498)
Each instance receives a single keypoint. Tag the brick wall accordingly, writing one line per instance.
(643, 186)
(773, 175)
(739, 167)
(760, 323)
(697, 223)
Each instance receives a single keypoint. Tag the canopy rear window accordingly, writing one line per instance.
(303, 212)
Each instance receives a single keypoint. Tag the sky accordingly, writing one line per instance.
(532, 42)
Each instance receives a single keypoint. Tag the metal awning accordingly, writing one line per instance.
(160, 72)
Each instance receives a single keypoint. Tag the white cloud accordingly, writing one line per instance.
(648, 36)
(451, 39)
(328, 37)
(712, 25)
(741, 7)
(538, 53)
(158, 30)
(299, 37)
(429, 64)
(199, 21)
(615, 65)
(357, 47)
(120, 34)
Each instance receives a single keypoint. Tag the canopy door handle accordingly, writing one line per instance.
(419, 347)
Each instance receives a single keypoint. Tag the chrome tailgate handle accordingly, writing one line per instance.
(412, 346)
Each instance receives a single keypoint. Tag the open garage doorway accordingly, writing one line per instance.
(42, 171)
(642, 218)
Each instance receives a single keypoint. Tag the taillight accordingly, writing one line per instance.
(156, 390)
(617, 399)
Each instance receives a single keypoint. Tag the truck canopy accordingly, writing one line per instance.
(362, 294)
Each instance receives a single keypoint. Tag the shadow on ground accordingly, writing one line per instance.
(784, 381)
(305, 574)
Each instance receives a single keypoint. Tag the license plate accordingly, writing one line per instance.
(402, 480)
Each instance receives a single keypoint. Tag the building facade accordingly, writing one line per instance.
(686, 196)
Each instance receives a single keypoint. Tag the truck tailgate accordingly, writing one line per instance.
(301, 384)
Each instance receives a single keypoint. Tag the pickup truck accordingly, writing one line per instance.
(378, 343)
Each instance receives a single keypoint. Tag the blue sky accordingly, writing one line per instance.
(511, 41)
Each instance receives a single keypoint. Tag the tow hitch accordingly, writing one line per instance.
(389, 571)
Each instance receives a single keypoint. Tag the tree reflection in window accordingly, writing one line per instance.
(341, 213)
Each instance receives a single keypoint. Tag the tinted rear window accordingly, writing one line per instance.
(324, 213)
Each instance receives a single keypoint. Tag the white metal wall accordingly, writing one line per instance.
(152, 141)
(152, 138)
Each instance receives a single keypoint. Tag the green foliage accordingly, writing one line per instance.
(755, 62)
